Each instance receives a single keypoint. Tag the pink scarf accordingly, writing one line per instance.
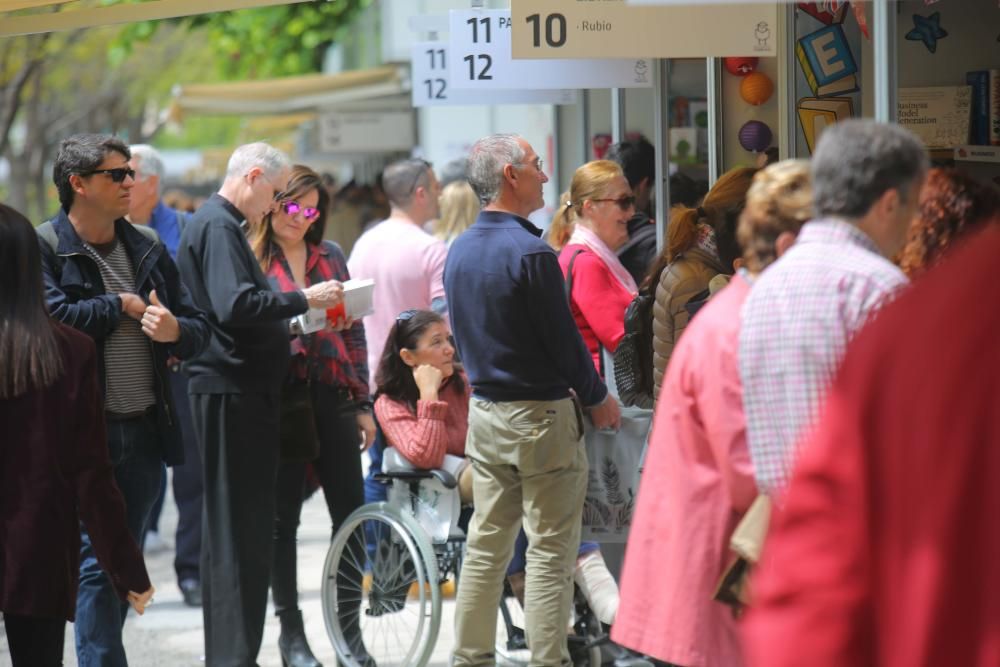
(586, 237)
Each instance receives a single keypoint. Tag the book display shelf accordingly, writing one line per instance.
(948, 70)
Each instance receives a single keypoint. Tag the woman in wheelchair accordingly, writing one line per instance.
(422, 407)
(422, 404)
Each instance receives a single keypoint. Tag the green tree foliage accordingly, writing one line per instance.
(262, 42)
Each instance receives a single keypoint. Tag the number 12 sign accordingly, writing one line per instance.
(429, 69)
(479, 58)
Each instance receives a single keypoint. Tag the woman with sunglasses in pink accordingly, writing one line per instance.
(333, 362)
(599, 207)
(600, 204)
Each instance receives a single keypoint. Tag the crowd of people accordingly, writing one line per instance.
(161, 339)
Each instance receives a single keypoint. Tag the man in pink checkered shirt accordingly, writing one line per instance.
(803, 311)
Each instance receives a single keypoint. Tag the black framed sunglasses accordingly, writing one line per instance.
(117, 175)
(406, 315)
(424, 167)
(624, 203)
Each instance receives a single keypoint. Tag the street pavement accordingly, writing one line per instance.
(170, 633)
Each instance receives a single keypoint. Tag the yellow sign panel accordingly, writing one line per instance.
(614, 29)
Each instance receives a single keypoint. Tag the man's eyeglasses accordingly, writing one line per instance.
(293, 207)
(424, 166)
(537, 163)
(624, 203)
(117, 175)
(277, 191)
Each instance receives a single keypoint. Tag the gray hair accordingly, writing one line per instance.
(857, 161)
(258, 154)
(487, 159)
(150, 163)
(455, 170)
(401, 179)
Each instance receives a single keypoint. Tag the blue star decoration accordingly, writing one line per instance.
(927, 30)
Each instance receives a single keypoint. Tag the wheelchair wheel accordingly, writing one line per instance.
(382, 605)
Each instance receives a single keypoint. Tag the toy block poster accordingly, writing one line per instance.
(827, 83)
(816, 114)
(829, 12)
(827, 62)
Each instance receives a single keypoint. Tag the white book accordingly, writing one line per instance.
(941, 116)
(357, 303)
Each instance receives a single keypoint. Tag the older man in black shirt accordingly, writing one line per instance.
(235, 389)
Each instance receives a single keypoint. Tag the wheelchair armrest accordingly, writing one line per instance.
(446, 478)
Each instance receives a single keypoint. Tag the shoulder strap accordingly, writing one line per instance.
(569, 292)
(148, 232)
(47, 233)
(569, 274)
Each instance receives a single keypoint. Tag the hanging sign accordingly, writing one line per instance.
(429, 69)
(366, 131)
(479, 58)
(573, 29)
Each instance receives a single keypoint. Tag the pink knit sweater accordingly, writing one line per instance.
(438, 428)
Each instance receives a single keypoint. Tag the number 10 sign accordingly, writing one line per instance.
(479, 58)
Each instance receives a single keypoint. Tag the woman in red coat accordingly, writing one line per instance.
(54, 465)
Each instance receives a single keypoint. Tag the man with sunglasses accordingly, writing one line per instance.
(528, 366)
(235, 391)
(406, 263)
(118, 284)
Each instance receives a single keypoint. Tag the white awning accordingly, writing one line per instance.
(377, 88)
(90, 17)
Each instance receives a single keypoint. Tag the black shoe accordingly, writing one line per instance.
(292, 644)
(191, 590)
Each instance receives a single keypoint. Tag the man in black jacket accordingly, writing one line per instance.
(235, 388)
(638, 160)
(119, 285)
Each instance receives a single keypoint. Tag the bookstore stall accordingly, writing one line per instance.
(944, 63)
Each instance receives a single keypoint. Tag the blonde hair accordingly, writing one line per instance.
(561, 227)
(459, 208)
(592, 181)
(779, 200)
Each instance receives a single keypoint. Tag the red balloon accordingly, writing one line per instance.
(740, 66)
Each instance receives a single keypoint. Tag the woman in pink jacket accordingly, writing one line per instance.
(698, 480)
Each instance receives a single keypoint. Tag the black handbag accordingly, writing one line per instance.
(299, 440)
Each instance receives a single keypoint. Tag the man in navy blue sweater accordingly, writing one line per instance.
(530, 371)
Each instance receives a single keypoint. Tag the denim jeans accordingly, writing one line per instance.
(136, 455)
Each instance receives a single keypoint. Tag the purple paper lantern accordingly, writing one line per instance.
(755, 136)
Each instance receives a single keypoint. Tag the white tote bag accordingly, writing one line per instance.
(613, 480)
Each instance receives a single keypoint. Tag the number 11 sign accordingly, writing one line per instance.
(479, 58)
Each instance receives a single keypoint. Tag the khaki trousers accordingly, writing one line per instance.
(528, 464)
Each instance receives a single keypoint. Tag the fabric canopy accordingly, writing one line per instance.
(309, 92)
(89, 17)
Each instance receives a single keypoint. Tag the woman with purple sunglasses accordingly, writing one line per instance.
(334, 363)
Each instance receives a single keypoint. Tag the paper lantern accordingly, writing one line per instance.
(755, 136)
(740, 66)
(756, 88)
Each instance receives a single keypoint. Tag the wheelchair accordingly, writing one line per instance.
(382, 580)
